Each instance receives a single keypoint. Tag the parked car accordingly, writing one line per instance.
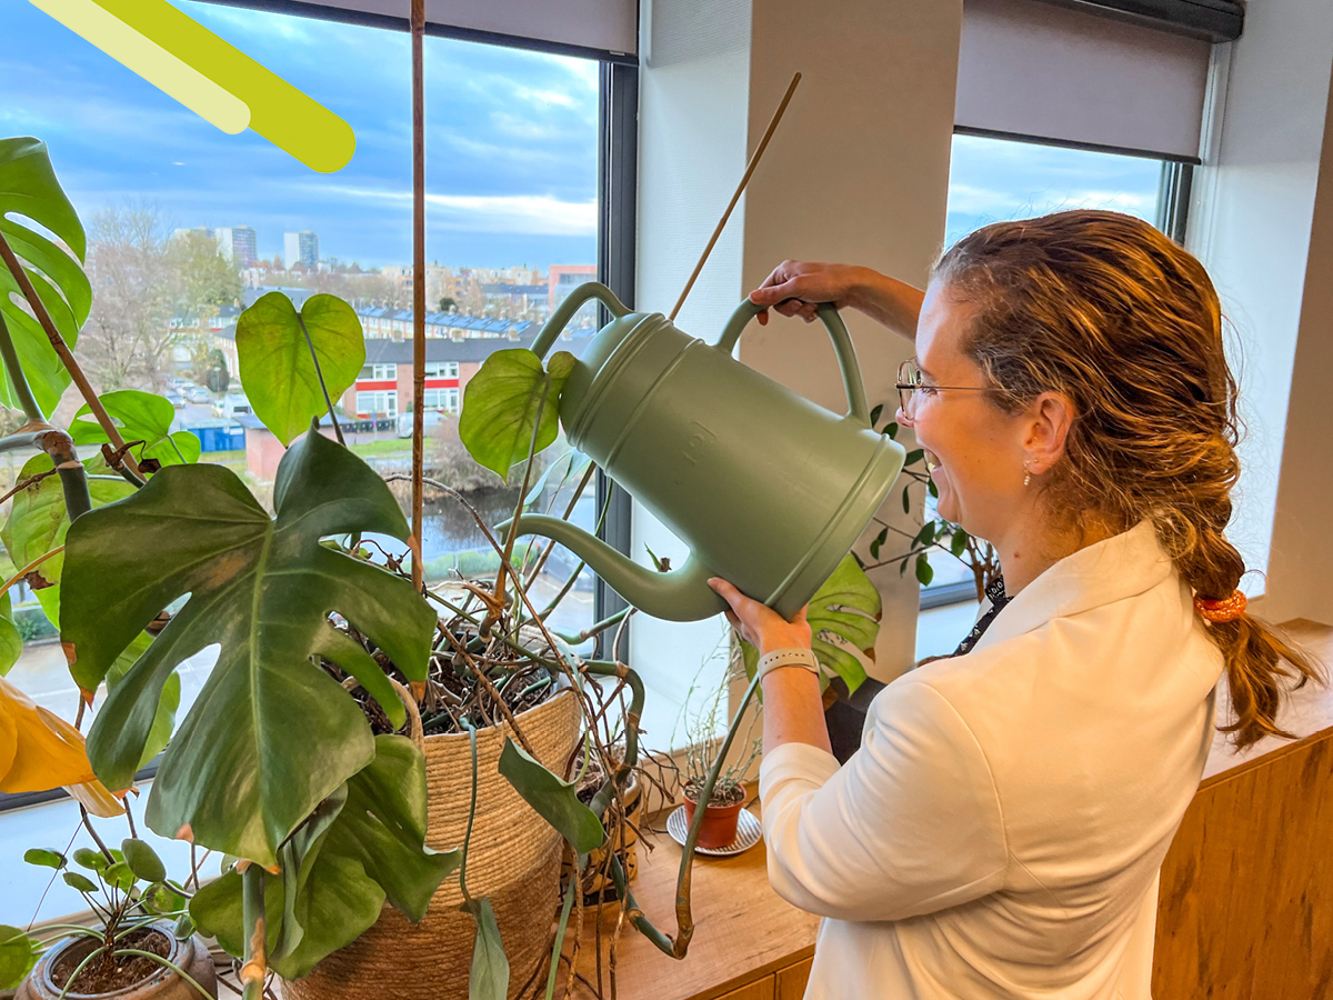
(198, 394)
(232, 404)
(175, 398)
(433, 418)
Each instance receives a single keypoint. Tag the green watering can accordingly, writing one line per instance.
(769, 490)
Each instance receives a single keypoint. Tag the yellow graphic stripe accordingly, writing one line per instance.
(276, 110)
(151, 61)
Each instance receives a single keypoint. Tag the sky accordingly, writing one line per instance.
(511, 146)
(511, 140)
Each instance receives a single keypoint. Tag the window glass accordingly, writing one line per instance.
(512, 187)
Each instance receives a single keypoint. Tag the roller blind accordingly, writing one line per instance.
(595, 26)
(1034, 69)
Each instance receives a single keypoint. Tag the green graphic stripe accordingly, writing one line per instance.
(152, 62)
(278, 111)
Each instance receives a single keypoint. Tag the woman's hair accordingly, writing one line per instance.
(1110, 313)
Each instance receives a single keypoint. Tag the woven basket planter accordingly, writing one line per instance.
(514, 860)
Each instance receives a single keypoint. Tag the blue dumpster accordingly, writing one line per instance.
(219, 435)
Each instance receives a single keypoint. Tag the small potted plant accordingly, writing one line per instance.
(703, 746)
(143, 946)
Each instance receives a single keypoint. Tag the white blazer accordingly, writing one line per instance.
(1000, 831)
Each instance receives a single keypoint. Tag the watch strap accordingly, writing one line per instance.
(794, 656)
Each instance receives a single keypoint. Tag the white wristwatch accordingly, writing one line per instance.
(794, 656)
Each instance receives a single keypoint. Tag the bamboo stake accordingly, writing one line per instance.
(66, 356)
(740, 188)
(418, 286)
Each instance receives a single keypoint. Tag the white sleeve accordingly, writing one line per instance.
(910, 825)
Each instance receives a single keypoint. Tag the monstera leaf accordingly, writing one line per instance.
(271, 734)
(363, 845)
(500, 406)
(844, 612)
(277, 348)
(28, 187)
(141, 416)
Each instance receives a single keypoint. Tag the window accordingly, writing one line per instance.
(992, 180)
(441, 399)
(384, 403)
(515, 163)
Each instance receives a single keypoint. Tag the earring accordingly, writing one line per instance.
(1027, 473)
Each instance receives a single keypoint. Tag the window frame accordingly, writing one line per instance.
(617, 184)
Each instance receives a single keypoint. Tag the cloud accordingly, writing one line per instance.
(538, 214)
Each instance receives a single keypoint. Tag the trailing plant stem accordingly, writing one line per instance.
(255, 922)
(20, 381)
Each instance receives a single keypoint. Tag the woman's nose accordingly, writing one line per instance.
(902, 418)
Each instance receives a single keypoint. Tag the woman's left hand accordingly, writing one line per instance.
(759, 624)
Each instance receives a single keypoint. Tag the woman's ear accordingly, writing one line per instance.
(1051, 415)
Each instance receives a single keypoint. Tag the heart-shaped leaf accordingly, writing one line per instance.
(271, 734)
(141, 416)
(844, 612)
(500, 407)
(28, 187)
(277, 368)
(554, 800)
(38, 521)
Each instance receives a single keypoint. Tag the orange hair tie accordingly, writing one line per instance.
(1226, 610)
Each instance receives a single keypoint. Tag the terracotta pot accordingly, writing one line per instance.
(191, 955)
(719, 826)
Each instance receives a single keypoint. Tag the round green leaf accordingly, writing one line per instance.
(161, 898)
(11, 641)
(80, 882)
(17, 955)
(44, 857)
(143, 860)
(120, 876)
(94, 861)
(500, 407)
(958, 544)
(277, 369)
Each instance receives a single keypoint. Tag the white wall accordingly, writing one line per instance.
(693, 103)
(1250, 223)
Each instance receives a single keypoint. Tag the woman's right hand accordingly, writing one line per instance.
(796, 288)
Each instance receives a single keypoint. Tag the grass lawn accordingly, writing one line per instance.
(387, 446)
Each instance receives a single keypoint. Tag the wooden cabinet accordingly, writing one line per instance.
(762, 990)
(791, 981)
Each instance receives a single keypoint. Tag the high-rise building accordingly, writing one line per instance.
(239, 244)
(302, 246)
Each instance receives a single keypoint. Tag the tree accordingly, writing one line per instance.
(447, 303)
(204, 278)
(129, 331)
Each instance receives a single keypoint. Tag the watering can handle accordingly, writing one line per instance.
(566, 310)
(842, 344)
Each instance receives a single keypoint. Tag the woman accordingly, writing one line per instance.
(1000, 831)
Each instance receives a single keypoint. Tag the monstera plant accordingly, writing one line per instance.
(289, 766)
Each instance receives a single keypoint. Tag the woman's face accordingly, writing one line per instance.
(976, 451)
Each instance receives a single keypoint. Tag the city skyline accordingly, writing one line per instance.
(511, 140)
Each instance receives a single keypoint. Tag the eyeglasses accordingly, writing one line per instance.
(910, 380)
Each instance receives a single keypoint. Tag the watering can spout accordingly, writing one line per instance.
(681, 595)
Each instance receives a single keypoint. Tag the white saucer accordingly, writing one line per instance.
(748, 833)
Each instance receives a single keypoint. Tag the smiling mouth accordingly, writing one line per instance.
(932, 460)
